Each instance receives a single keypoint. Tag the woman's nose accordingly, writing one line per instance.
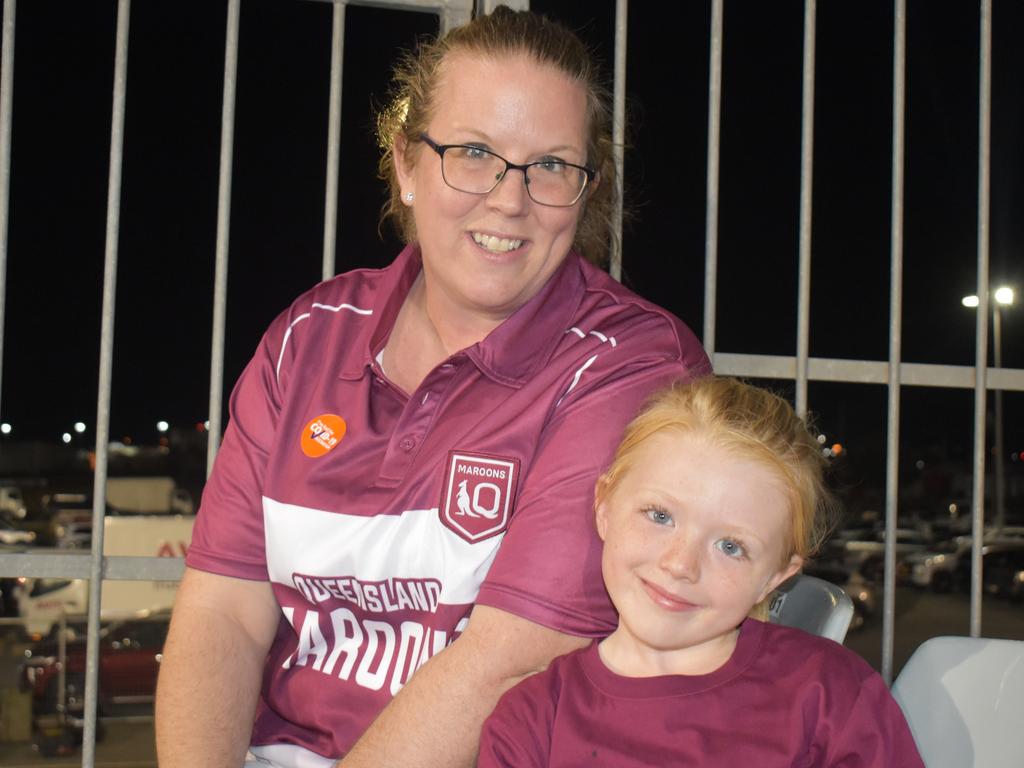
(510, 196)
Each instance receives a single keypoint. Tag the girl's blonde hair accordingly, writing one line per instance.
(501, 34)
(752, 424)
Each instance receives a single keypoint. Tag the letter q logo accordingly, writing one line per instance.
(478, 494)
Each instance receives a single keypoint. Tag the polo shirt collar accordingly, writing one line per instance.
(510, 353)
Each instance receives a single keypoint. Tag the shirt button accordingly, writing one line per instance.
(407, 444)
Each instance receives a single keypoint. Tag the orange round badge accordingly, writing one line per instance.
(322, 434)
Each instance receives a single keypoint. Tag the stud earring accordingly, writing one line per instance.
(409, 197)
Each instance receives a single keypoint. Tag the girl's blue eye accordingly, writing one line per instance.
(659, 516)
(730, 547)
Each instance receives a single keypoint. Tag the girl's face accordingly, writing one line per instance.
(490, 254)
(694, 537)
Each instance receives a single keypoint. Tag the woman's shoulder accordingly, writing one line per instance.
(615, 312)
(357, 294)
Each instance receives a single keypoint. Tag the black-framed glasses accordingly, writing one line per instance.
(478, 171)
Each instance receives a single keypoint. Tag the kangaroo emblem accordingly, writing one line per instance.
(462, 499)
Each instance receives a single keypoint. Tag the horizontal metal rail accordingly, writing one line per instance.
(866, 371)
(57, 565)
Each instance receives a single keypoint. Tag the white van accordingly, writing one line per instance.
(41, 601)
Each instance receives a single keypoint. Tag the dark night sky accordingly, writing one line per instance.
(63, 75)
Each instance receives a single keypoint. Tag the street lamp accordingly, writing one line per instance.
(1002, 297)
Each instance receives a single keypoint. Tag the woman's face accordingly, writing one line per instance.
(490, 254)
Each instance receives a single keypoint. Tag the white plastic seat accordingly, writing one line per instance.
(963, 698)
(813, 605)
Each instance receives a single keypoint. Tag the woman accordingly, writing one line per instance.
(411, 455)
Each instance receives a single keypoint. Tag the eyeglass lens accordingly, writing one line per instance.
(470, 169)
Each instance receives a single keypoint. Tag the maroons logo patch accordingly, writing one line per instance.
(322, 434)
(478, 494)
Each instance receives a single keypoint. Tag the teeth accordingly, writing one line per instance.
(496, 244)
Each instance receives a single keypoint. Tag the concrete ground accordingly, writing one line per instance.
(127, 743)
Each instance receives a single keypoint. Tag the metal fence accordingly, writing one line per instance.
(894, 373)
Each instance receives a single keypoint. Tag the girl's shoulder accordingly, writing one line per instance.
(787, 652)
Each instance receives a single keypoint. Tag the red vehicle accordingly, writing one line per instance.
(130, 655)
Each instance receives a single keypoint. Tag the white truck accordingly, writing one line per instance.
(148, 495)
(41, 601)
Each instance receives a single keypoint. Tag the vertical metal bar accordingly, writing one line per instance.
(1000, 456)
(981, 320)
(62, 668)
(220, 280)
(806, 178)
(895, 334)
(99, 491)
(619, 132)
(714, 146)
(333, 139)
(6, 103)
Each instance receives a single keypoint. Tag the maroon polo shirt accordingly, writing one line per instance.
(381, 518)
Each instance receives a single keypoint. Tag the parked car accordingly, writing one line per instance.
(74, 535)
(935, 567)
(130, 654)
(12, 504)
(11, 536)
(1002, 569)
(863, 550)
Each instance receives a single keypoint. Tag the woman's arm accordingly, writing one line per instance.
(212, 669)
(436, 719)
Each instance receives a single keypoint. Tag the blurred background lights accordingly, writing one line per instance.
(1002, 295)
(79, 427)
(837, 448)
(5, 428)
(66, 437)
(162, 426)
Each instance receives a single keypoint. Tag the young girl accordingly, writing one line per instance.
(715, 496)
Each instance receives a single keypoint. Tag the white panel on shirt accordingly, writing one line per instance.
(284, 756)
(413, 544)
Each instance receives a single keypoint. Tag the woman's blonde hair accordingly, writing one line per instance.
(750, 423)
(501, 34)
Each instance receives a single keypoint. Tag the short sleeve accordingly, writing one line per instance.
(228, 538)
(548, 569)
(875, 734)
(518, 732)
